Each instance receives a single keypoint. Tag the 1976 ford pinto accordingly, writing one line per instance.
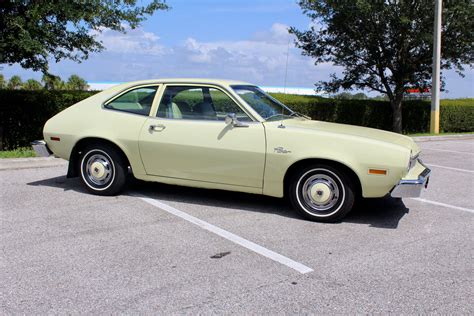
(230, 135)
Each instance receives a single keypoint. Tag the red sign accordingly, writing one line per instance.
(416, 90)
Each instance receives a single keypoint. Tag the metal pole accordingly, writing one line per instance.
(434, 124)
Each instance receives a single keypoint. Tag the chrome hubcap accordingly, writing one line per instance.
(99, 169)
(320, 192)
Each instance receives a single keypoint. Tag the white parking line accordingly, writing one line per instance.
(449, 151)
(229, 236)
(445, 205)
(449, 168)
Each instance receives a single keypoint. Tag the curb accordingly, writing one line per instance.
(440, 138)
(28, 163)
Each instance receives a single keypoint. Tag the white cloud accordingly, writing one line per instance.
(260, 59)
(265, 50)
(139, 54)
(278, 34)
(136, 41)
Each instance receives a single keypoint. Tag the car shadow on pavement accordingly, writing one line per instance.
(380, 213)
(383, 212)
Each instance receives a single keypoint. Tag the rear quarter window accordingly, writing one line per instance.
(137, 101)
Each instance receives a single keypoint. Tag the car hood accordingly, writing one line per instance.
(357, 131)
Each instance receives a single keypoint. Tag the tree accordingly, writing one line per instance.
(32, 84)
(53, 83)
(381, 97)
(359, 96)
(343, 96)
(14, 83)
(76, 83)
(385, 46)
(3, 83)
(31, 32)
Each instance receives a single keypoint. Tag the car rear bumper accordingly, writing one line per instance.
(41, 148)
(412, 187)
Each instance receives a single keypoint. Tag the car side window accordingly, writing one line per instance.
(178, 102)
(198, 103)
(224, 105)
(136, 101)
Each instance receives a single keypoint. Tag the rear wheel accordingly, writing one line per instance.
(103, 170)
(321, 193)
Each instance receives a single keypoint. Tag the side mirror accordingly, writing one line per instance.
(231, 119)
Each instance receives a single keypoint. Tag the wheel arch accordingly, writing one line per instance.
(72, 171)
(336, 164)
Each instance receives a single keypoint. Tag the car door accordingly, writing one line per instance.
(189, 139)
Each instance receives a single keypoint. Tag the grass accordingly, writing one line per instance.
(440, 134)
(23, 152)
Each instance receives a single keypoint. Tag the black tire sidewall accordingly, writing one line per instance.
(343, 182)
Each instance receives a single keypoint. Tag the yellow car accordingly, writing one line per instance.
(229, 135)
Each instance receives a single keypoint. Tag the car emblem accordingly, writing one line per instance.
(281, 150)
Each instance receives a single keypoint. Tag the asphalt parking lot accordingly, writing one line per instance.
(167, 249)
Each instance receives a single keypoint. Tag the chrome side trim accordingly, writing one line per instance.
(412, 188)
(41, 148)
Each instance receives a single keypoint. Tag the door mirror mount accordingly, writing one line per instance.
(231, 119)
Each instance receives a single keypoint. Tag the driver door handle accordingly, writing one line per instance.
(157, 128)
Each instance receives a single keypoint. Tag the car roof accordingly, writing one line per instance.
(221, 82)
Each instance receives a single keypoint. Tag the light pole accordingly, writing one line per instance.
(435, 86)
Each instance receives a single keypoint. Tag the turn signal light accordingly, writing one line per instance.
(57, 139)
(378, 171)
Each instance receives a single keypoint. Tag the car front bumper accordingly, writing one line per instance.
(412, 187)
(41, 148)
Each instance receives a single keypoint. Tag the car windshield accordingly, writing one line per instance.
(267, 107)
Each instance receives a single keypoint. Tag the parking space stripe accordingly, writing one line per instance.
(445, 205)
(449, 151)
(449, 168)
(229, 236)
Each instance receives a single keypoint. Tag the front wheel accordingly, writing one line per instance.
(321, 193)
(102, 169)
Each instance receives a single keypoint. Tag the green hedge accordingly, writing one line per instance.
(456, 115)
(23, 113)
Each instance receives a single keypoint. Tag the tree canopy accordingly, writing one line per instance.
(49, 82)
(385, 46)
(14, 83)
(76, 83)
(32, 84)
(33, 32)
(3, 82)
(53, 83)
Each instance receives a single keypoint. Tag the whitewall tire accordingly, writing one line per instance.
(102, 169)
(321, 193)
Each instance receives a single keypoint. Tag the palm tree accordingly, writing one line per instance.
(76, 83)
(14, 83)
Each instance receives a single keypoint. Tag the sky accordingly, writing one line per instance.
(242, 40)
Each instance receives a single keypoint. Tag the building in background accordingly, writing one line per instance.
(417, 94)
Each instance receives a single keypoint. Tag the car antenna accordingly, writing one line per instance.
(286, 76)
